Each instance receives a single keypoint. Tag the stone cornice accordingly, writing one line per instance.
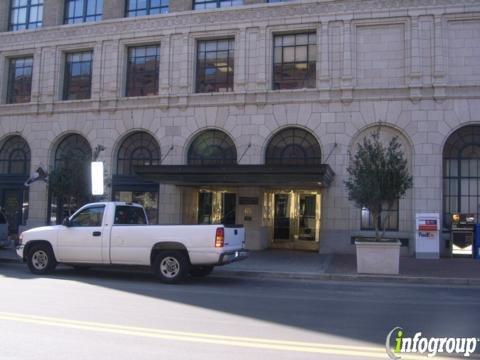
(245, 15)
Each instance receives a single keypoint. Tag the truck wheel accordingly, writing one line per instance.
(171, 267)
(201, 271)
(41, 260)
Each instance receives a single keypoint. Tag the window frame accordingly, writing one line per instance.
(137, 208)
(148, 9)
(157, 70)
(38, 23)
(370, 226)
(84, 16)
(212, 138)
(84, 209)
(288, 137)
(295, 32)
(229, 56)
(67, 80)
(217, 3)
(10, 77)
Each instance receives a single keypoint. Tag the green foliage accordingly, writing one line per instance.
(378, 175)
(70, 188)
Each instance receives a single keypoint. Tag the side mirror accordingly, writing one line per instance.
(66, 222)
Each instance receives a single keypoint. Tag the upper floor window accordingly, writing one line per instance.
(79, 11)
(212, 4)
(142, 70)
(294, 61)
(25, 14)
(293, 147)
(215, 60)
(78, 76)
(19, 86)
(146, 7)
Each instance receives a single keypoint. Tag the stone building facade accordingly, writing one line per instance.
(413, 66)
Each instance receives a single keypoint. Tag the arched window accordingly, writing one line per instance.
(212, 147)
(72, 151)
(69, 182)
(461, 173)
(293, 146)
(15, 156)
(140, 148)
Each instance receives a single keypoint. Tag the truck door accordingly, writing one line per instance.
(81, 241)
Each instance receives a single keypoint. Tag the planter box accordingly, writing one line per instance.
(378, 257)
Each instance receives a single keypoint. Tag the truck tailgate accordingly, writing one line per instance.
(234, 237)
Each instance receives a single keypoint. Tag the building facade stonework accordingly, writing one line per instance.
(413, 66)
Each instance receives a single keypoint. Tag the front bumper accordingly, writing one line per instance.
(233, 256)
(19, 250)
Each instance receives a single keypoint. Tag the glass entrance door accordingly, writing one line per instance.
(295, 219)
(216, 207)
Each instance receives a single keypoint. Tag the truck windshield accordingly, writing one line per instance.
(129, 215)
(2, 219)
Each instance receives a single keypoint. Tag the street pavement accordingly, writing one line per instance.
(109, 314)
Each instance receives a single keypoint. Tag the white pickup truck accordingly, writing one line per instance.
(117, 233)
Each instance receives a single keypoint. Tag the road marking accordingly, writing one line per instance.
(268, 344)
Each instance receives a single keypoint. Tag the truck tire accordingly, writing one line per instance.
(41, 260)
(201, 271)
(171, 267)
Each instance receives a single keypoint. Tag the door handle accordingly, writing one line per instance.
(97, 233)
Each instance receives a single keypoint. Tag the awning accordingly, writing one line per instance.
(238, 175)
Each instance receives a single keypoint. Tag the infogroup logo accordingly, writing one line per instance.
(397, 343)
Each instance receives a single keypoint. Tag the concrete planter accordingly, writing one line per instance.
(378, 257)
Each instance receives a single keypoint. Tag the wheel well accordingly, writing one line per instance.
(33, 243)
(162, 246)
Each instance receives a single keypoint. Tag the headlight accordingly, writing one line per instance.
(20, 239)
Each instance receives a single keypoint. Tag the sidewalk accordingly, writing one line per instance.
(8, 254)
(314, 266)
(286, 264)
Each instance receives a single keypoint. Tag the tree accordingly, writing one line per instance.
(378, 177)
(69, 187)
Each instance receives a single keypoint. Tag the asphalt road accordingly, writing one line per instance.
(104, 314)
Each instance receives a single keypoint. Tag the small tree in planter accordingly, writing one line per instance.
(378, 177)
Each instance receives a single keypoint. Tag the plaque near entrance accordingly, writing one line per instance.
(244, 200)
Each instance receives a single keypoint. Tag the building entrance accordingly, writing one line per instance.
(295, 219)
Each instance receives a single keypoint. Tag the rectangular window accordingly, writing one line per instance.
(142, 70)
(391, 221)
(78, 76)
(19, 80)
(80, 11)
(294, 61)
(25, 14)
(146, 7)
(215, 65)
(213, 4)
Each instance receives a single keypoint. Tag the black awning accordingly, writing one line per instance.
(238, 175)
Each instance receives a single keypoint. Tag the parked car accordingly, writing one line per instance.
(4, 241)
(117, 233)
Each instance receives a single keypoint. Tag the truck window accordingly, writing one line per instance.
(129, 215)
(89, 217)
(2, 219)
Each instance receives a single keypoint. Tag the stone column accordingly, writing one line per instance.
(180, 5)
(4, 10)
(53, 12)
(38, 202)
(114, 9)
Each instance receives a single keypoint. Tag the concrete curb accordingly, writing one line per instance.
(9, 259)
(347, 277)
